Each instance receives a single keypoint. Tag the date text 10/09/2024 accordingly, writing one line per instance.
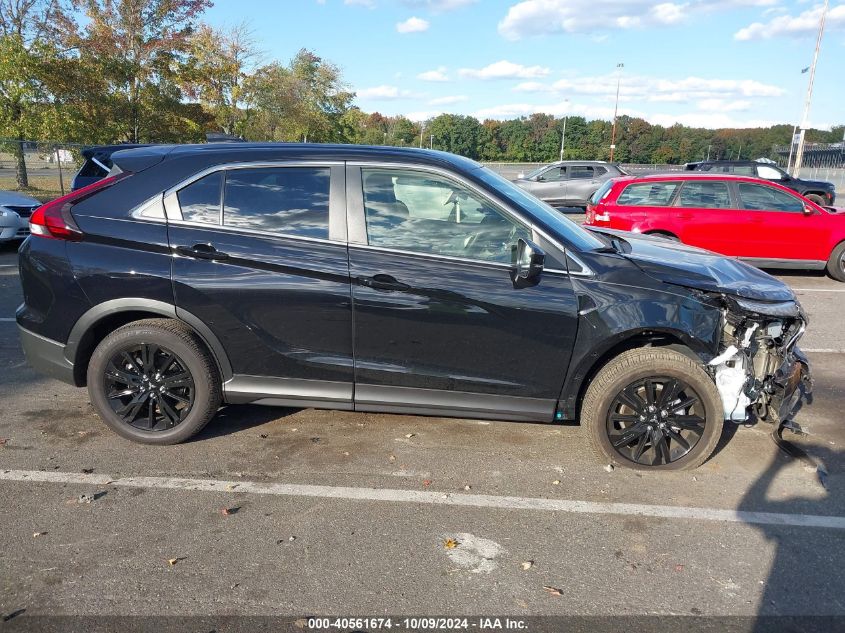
(416, 624)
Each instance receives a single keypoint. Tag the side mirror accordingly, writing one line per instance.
(528, 262)
(808, 210)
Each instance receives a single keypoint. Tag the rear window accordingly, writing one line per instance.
(648, 194)
(602, 191)
(579, 171)
(90, 169)
(705, 195)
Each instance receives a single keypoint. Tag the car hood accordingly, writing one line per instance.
(682, 265)
(16, 199)
(815, 184)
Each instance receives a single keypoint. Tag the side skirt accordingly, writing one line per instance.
(797, 264)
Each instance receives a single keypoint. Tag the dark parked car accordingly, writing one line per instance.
(821, 192)
(568, 183)
(394, 280)
(96, 164)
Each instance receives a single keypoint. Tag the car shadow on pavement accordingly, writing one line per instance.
(804, 588)
(233, 418)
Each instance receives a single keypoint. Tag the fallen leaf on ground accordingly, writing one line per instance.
(679, 568)
(231, 486)
(556, 482)
(426, 482)
(450, 543)
(527, 565)
(410, 435)
(37, 534)
(553, 590)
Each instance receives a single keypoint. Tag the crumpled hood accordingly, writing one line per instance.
(676, 263)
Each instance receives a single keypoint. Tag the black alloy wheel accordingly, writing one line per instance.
(149, 387)
(655, 421)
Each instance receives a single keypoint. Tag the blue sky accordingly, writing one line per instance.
(711, 63)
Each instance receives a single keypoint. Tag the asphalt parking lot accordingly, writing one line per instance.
(344, 513)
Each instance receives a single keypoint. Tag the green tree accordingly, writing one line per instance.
(455, 133)
(29, 35)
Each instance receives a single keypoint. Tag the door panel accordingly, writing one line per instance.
(460, 327)
(553, 187)
(706, 217)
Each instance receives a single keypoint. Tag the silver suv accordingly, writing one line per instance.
(568, 183)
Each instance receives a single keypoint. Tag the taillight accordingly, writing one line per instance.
(53, 220)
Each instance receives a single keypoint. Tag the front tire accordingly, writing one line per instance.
(836, 263)
(814, 197)
(154, 382)
(653, 409)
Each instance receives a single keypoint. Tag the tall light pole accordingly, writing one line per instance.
(563, 136)
(619, 68)
(799, 155)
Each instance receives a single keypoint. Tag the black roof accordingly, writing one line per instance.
(101, 151)
(141, 158)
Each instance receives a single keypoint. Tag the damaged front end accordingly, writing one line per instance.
(760, 368)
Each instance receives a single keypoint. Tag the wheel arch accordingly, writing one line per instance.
(104, 318)
(590, 365)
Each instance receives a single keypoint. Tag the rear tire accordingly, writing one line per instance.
(836, 263)
(814, 197)
(653, 409)
(154, 382)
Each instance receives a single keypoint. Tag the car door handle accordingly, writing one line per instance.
(202, 251)
(382, 282)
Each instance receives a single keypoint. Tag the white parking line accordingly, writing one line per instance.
(818, 289)
(823, 350)
(7, 320)
(432, 498)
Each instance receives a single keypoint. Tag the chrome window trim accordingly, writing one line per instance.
(450, 258)
(152, 209)
(336, 188)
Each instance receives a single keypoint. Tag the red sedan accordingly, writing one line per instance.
(761, 222)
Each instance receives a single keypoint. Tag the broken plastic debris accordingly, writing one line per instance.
(724, 356)
(228, 511)
(467, 487)
(410, 435)
(556, 482)
(173, 561)
(609, 468)
(526, 565)
(37, 534)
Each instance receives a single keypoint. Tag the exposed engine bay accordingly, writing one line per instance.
(760, 368)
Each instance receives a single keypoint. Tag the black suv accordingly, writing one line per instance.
(821, 192)
(394, 280)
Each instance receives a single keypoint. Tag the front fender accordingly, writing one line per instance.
(614, 317)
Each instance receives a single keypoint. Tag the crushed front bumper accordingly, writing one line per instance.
(789, 386)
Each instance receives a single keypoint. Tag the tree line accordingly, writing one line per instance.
(150, 71)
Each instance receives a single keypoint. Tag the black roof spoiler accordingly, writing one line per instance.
(140, 158)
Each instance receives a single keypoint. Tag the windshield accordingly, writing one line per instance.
(565, 228)
(535, 172)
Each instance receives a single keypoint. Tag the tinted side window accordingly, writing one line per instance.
(423, 213)
(763, 198)
(579, 171)
(200, 201)
(599, 171)
(767, 172)
(705, 195)
(648, 194)
(289, 200)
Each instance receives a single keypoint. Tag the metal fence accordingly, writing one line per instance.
(50, 166)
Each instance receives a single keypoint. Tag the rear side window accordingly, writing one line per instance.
(601, 192)
(763, 198)
(581, 171)
(90, 169)
(648, 194)
(287, 200)
(705, 195)
(200, 201)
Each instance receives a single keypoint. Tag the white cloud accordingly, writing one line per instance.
(544, 17)
(724, 105)
(439, 6)
(802, 25)
(504, 70)
(385, 93)
(423, 115)
(644, 88)
(710, 120)
(449, 100)
(413, 25)
(438, 74)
